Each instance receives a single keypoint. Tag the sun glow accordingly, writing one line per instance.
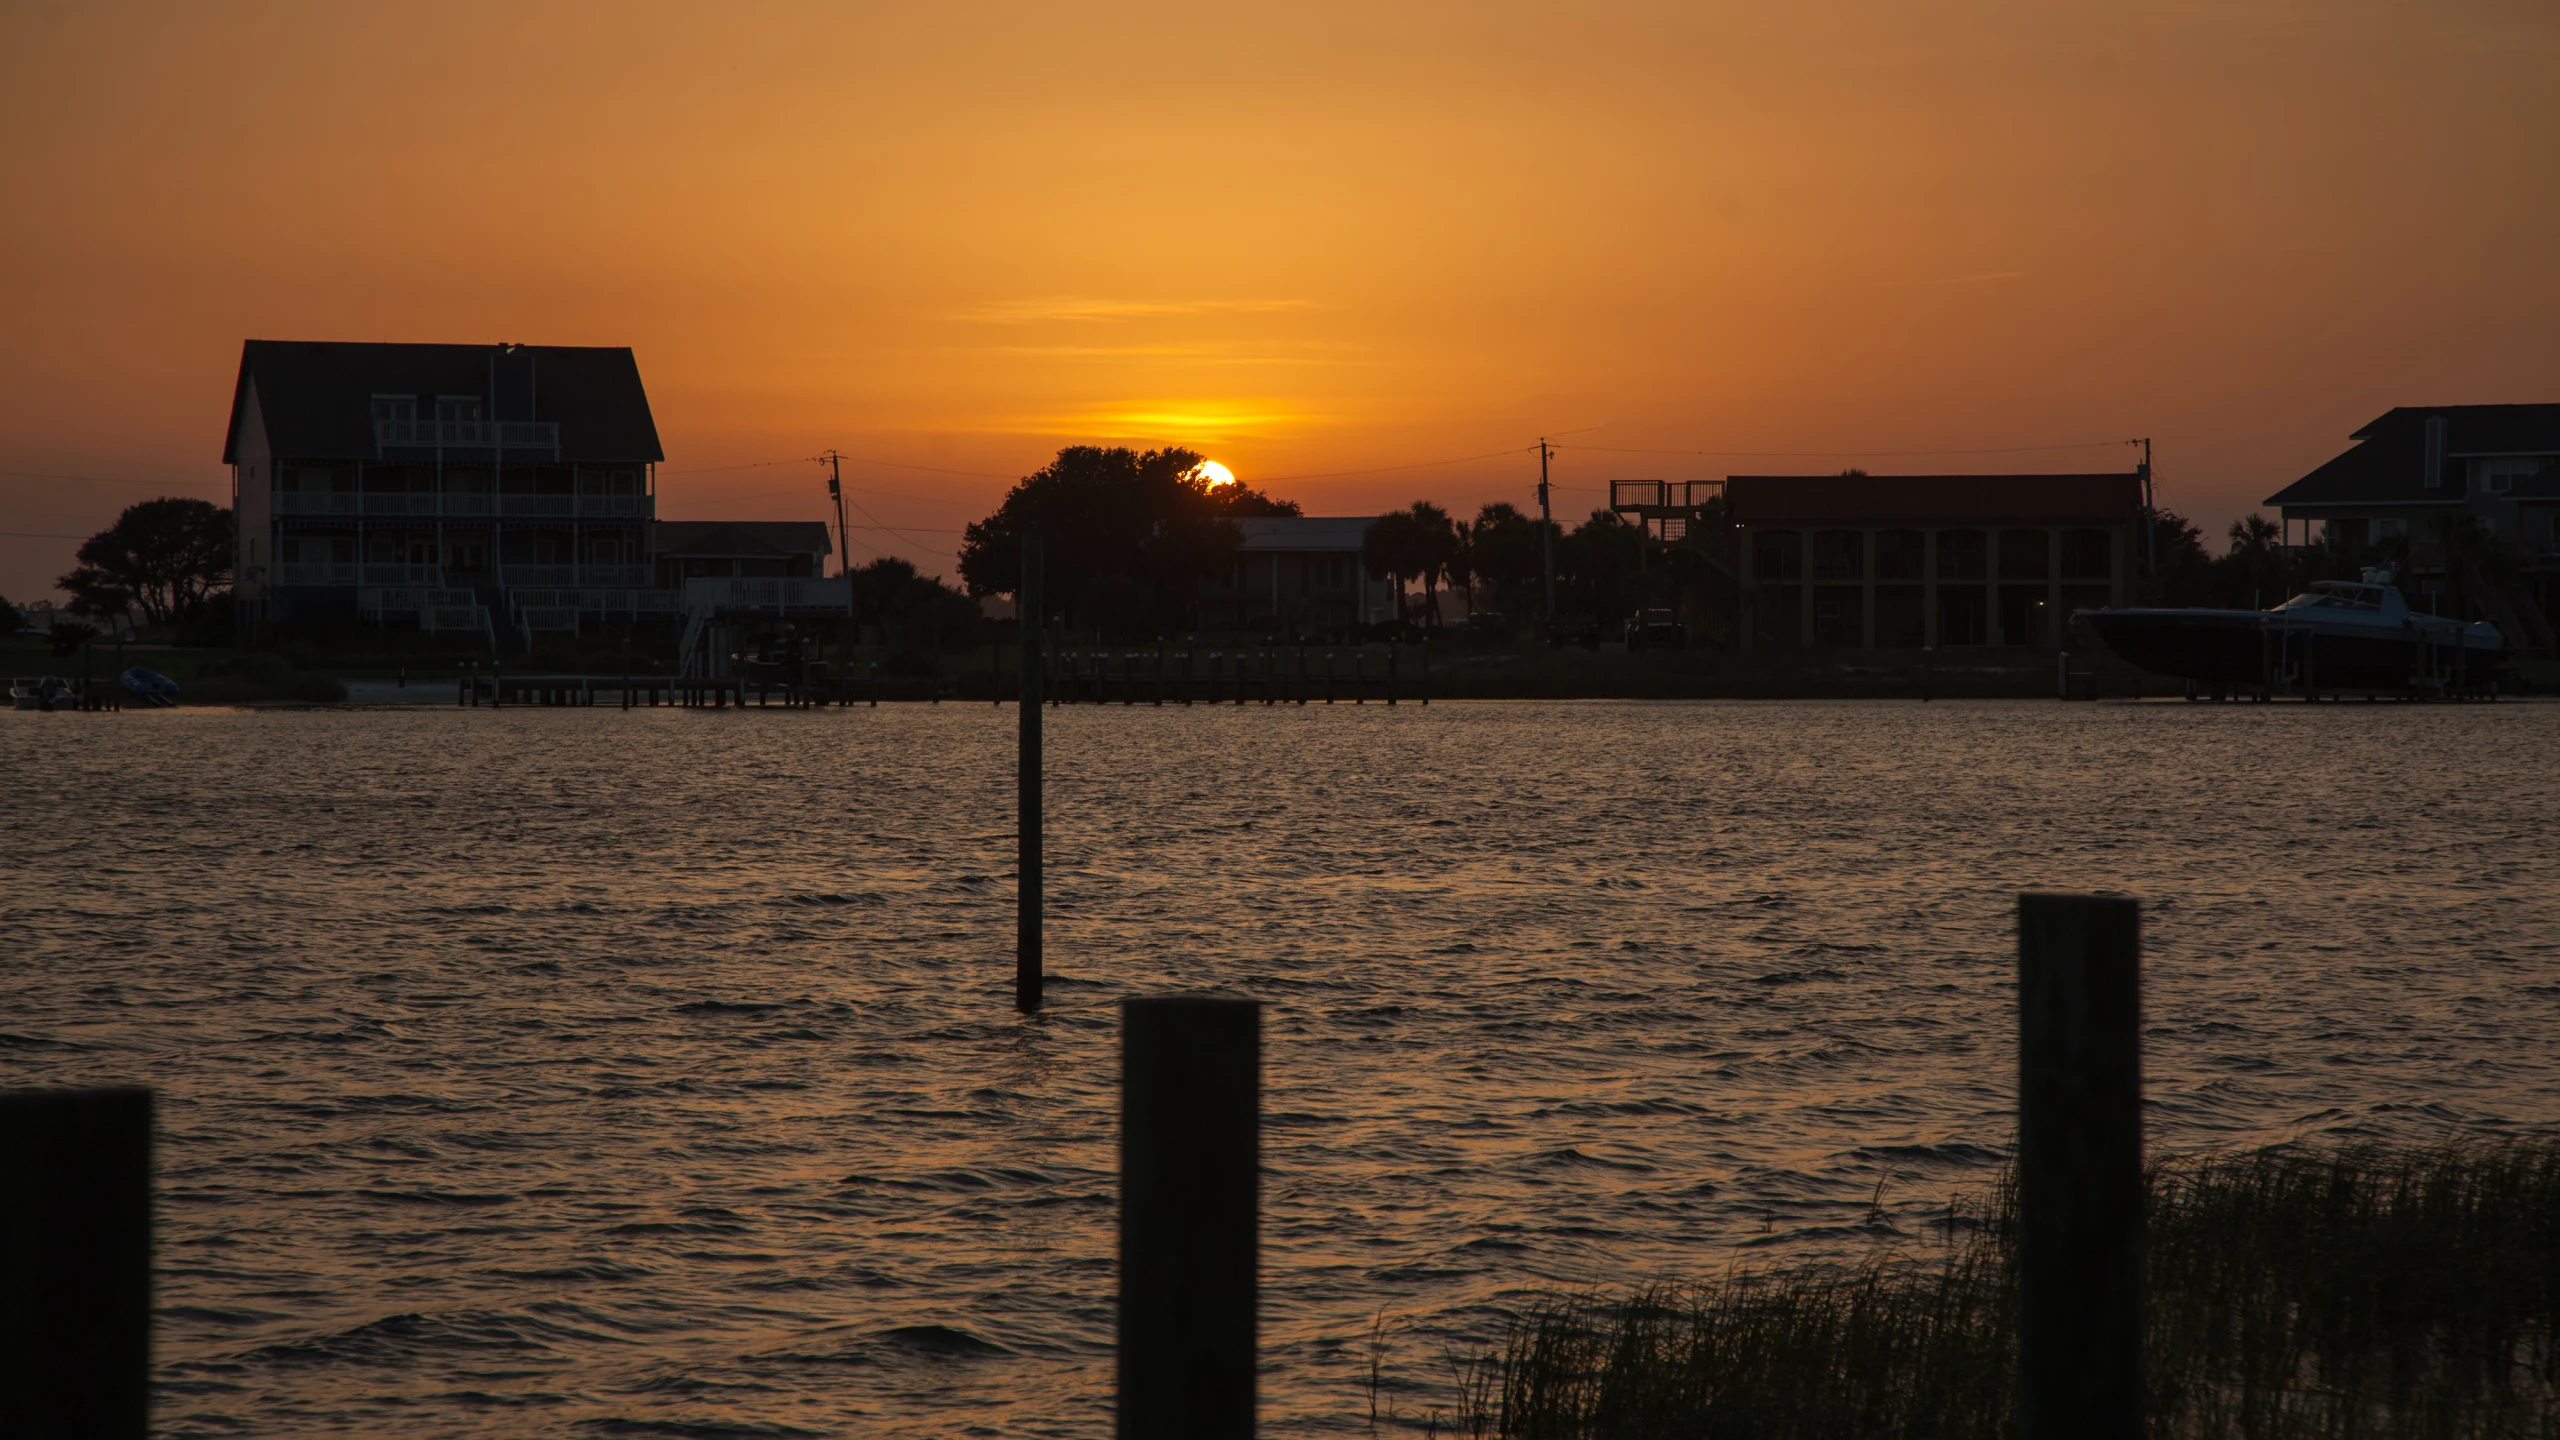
(1215, 473)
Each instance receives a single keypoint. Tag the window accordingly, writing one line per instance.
(457, 409)
(395, 409)
(2087, 555)
(1838, 555)
(2024, 555)
(2388, 530)
(2499, 476)
(1777, 555)
(1960, 557)
(2350, 533)
(1901, 555)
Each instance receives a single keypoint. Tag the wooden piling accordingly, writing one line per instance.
(1027, 821)
(1190, 1141)
(75, 1263)
(2080, 1228)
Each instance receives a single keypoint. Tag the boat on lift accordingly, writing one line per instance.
(2335, 635)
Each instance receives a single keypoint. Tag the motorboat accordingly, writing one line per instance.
(48, 692)
(2335, 635)
(150, 686)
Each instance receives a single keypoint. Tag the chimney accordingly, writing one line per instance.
(2433, 476)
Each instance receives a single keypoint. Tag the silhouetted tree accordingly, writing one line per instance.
(1417, 543)
(1600, 562)
(1503, 555)
(1391, 550)
(1127, 536)
(167, 557)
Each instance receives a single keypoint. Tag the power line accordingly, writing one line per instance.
(1851, 454)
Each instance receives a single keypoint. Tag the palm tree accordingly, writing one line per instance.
(1439, 551)
(1392, 551)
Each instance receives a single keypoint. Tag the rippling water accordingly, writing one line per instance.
(591, 1072)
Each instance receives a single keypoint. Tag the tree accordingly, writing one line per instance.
(1391, 550)
(167, 556)
(11, 622)
(1601, 560)
(1127, 537)
(911, 609)
(1417, 543)
(1503, 554)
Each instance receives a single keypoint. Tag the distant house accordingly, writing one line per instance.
(1912, 560)
(1297, 575)
(445, 483)
(742, 549)
(2417, 466)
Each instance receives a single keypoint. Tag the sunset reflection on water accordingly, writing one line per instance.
(528, 1070)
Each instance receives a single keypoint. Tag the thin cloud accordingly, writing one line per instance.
(1087, 310)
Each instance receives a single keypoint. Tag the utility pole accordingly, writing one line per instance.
(2150, 516)
(1546, 528)
(835, 492)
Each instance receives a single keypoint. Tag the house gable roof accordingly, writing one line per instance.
(316, 396)
(1976, 499)
(2387, 463)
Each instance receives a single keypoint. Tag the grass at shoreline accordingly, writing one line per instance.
(2295, 1292)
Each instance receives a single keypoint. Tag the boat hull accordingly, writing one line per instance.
(2242, 648)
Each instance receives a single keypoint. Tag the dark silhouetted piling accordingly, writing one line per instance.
(1190, 1137)
(75, 1263)
(2080, 1240)
(1026, 863)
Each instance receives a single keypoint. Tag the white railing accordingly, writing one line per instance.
(551, 576)
(478, 503)
(453, 617)
(407, 599)
(549, 617)
(615, 577)
(480, 434)
(302, 573)
(317, 502)
(382, 574)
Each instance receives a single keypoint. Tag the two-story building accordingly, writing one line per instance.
(456, 484)
(2417, 464)
(1913, 560)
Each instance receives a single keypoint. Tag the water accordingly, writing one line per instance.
(653, 1073)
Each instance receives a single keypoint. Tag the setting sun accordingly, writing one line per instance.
(1215, 473)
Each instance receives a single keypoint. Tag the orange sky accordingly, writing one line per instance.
(1307, 238)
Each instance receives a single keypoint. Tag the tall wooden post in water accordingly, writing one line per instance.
(75, 1263)
(1026, 864)
(2080, 1224)
(1190, 1143)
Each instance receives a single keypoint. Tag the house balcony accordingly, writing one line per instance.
(336, 573)
(573, 577)
(430, 504)
(466, 435)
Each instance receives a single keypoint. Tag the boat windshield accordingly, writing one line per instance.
(2336, 595)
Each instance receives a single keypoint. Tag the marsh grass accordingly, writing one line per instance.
(2295, 1292)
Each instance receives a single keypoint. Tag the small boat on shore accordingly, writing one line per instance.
(150, 686)
(2336, 635)
(47, 692)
